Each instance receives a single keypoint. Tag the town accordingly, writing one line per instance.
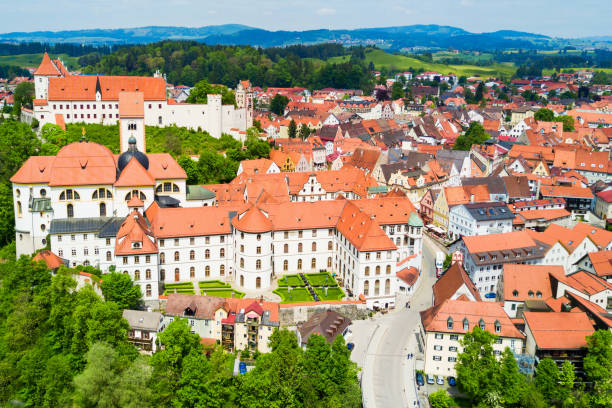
(442, 240)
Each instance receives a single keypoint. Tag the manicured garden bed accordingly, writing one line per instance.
(291, 280)
(333, 293)
(222, 292)
(299, 295)
(213, 284)
(320, 279)
(179, 285)
(183, 291)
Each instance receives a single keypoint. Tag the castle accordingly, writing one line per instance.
(61, 97)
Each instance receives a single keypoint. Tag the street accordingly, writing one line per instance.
(383, 343)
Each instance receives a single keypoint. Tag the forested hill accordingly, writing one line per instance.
(186, 62)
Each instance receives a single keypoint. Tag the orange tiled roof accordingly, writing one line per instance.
(47, 67)
(450, 282)
(83, 87)
(134, 236)
(523, 282)
(131, 104)
(436, 318)
(584, 282)
(498, 242)
(83, 163)
(134, 175)
(546, 214)
(558, 331)
(362, 230)
(602, 263)
(566, 191)
(253, 221)
(190, 221)
(53, 261)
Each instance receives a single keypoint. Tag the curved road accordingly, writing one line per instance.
(388, 375)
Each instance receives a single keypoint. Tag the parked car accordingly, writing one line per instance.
(430, 379)
(242, 367)
(440, 380)
(420, 380)
(451, 381)
(350, 346)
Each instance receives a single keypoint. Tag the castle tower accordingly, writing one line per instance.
(244, 100)
(131, 120)
(46, 70)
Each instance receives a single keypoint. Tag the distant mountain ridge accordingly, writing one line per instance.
(393, 38)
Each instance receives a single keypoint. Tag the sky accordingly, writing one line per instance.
(559, 18)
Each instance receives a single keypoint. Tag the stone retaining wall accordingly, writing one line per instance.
(292, 315)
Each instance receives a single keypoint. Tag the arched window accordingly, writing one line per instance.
(387, 286)
(530, 293)
(19, 209)
(259, 237)
(137, 193)
(258, 283)
(300, 247)
(314, 247)
(148, 274)
(538, 294)
(69, 194)
(207, 254)
(162, 274)
(148, 290)
(191, 272)
(497, 326)
(330, 246)
(286, 248)
(192, 255)
(313, 263)
(222, 252)
(515, 293)
(101, 193)
(108, 255)
(388, 269)
(466, 324)
(102, 209)
(136, 275)
(367, 271)
(299, 264)
(70, 211)
(222, 270)
(378, 269)
(285, 265)
(242, 262)
(258, 264)
(167, 187)
(241, 280)
(176, 255)
(376, 287)
(177, 275)
(207, 271)
(162, 258)
(481, 324)
(329, 261)
(366, 288)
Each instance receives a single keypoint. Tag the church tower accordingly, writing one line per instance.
(47, 69)
(131, 120)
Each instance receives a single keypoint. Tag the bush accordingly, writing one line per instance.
(440, 399)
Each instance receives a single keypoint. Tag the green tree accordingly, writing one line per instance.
(397, 91)
(598, 367)
(545, 115)
(478, 96)
(292, 131)
(568, 122)
(199, 93)
(257, 148)
(119, 288)
(512, 381)
(278, 103)
(440, 399)
(566, 377)
(24, 94)
(478, 372)
(474, 135)
(304, 132)
(547, 377)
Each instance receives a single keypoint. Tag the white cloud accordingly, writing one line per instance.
(326, 11)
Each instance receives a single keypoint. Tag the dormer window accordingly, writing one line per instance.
(497, 326)
(449, 323)
(466, 324)
(136, 244)
(530, 293)
(515, 293)
(538, 294)
(481, 324)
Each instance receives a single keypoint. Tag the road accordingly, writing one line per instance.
(383, 343)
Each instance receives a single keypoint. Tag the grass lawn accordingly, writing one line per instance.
(320, 279)
(179, 285)
(33, 60)
(381, 59)
(299, 295)
(213, 284)
(332, 293)
(292, 280)
(222, 292)
(181, 291)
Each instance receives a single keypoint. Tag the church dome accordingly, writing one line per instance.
(132, 152)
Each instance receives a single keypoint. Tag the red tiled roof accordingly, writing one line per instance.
(47, 67)
(131, 104)
(134, 236)
(53, 261)
(83, 87)
(408, 275)
(450, 282)
(558, 331)
(523, 282)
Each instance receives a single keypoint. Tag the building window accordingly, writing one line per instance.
(313, 263)
(176, 255)
(439, 336)
(300, 247)
(376, 288)
(108, 256)
(285, 265)
(258, 250)
(330, 246)
(329, 262)
(73, 251)
(497, 327)
(69, 194)
(136, 275)
(242, 249)
(222, 270)
(286, 248)
(242, 262)
(437, 358)
(125, 260)
(222, 252)
(481, 324)
(70, 211)
(449, 323)
(299, 264)
(258, 264)
(136, 259)
(162, 258)
(148, 274)
(454, 337)
(19, 209)
(466, 324)
(192, 272)
(378, 269)
(452, 359)
(148, 290)
(258, 283)
(367, 256)
(192, 255)
(177, 275)
(162, 274)
(367, 271)
(387, 286)
(366, 288)
(388, 269)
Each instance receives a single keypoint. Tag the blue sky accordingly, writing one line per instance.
(563, 18)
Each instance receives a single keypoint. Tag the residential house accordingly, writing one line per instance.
(603, 205)
(329, 324)
(144, 328)
(578, 200)
(452, 196)
(479, 219)
(520, 283)
(455, 284)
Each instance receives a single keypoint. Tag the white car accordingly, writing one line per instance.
(440, 380)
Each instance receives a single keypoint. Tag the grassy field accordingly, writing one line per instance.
(33, 60)
(291, 280)
(550, 71)
(332, 293)
(320, 279)
(299, 295)
(404, 63)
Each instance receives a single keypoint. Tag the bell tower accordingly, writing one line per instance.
(131, 120)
